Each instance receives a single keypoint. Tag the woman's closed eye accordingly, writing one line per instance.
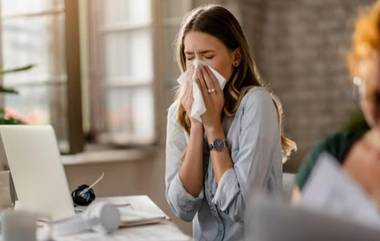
(209, 56)
(189, 58)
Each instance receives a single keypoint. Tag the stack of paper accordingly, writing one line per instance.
(137, 210)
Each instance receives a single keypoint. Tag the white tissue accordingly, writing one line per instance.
(198, 107)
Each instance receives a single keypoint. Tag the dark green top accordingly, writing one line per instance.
(336, 145)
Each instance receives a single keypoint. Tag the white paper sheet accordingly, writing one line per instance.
(331, 190)
(137, 210)
(269, 219)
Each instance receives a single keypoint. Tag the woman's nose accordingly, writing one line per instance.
(199, 57)
(191, 63)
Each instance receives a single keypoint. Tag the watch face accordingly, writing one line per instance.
(219, 144)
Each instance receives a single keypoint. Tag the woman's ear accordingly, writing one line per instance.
(236, 57)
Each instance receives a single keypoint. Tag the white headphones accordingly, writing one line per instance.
(100, 217)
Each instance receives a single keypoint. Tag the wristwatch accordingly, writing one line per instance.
(218, 145)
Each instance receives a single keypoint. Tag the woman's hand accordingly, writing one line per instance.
(186, 93)
(213, 98)
(212, 119)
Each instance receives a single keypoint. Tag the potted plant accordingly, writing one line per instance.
(6, 119)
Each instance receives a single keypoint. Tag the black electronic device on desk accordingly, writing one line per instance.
(84, 194)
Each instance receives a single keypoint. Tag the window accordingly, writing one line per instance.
(121, 46)
(103, 66)
(171, 15)
(33, 33)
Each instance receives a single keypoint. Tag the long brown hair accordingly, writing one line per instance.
(220, 23)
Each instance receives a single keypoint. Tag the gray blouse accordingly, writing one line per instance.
(253, 138)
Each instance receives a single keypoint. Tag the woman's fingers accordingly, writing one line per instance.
(186, 94)
(215, 83)
(187, 80)
(209, 82)
(202, 86)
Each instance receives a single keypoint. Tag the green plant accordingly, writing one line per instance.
(4, 118)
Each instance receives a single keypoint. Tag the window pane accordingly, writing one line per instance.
(130, 115)
(38, 41)
(34, 106)
(123, 45)
(132, 11)
(128, 56)
(143, 116)
(11, 7)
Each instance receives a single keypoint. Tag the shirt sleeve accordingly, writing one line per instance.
(183, 204)
(259, 147)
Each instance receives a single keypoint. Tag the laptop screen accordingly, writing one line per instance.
(38, 174)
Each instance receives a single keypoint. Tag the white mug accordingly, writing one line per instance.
(18, 226)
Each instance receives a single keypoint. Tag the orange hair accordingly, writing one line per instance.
(366, 37)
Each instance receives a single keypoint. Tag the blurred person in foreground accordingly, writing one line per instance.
(357, 149)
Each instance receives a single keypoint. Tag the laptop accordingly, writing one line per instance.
(38, 174)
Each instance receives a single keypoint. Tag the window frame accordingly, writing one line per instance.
(84, 102)
(74, 78)
(97, 29)
(73, 103)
